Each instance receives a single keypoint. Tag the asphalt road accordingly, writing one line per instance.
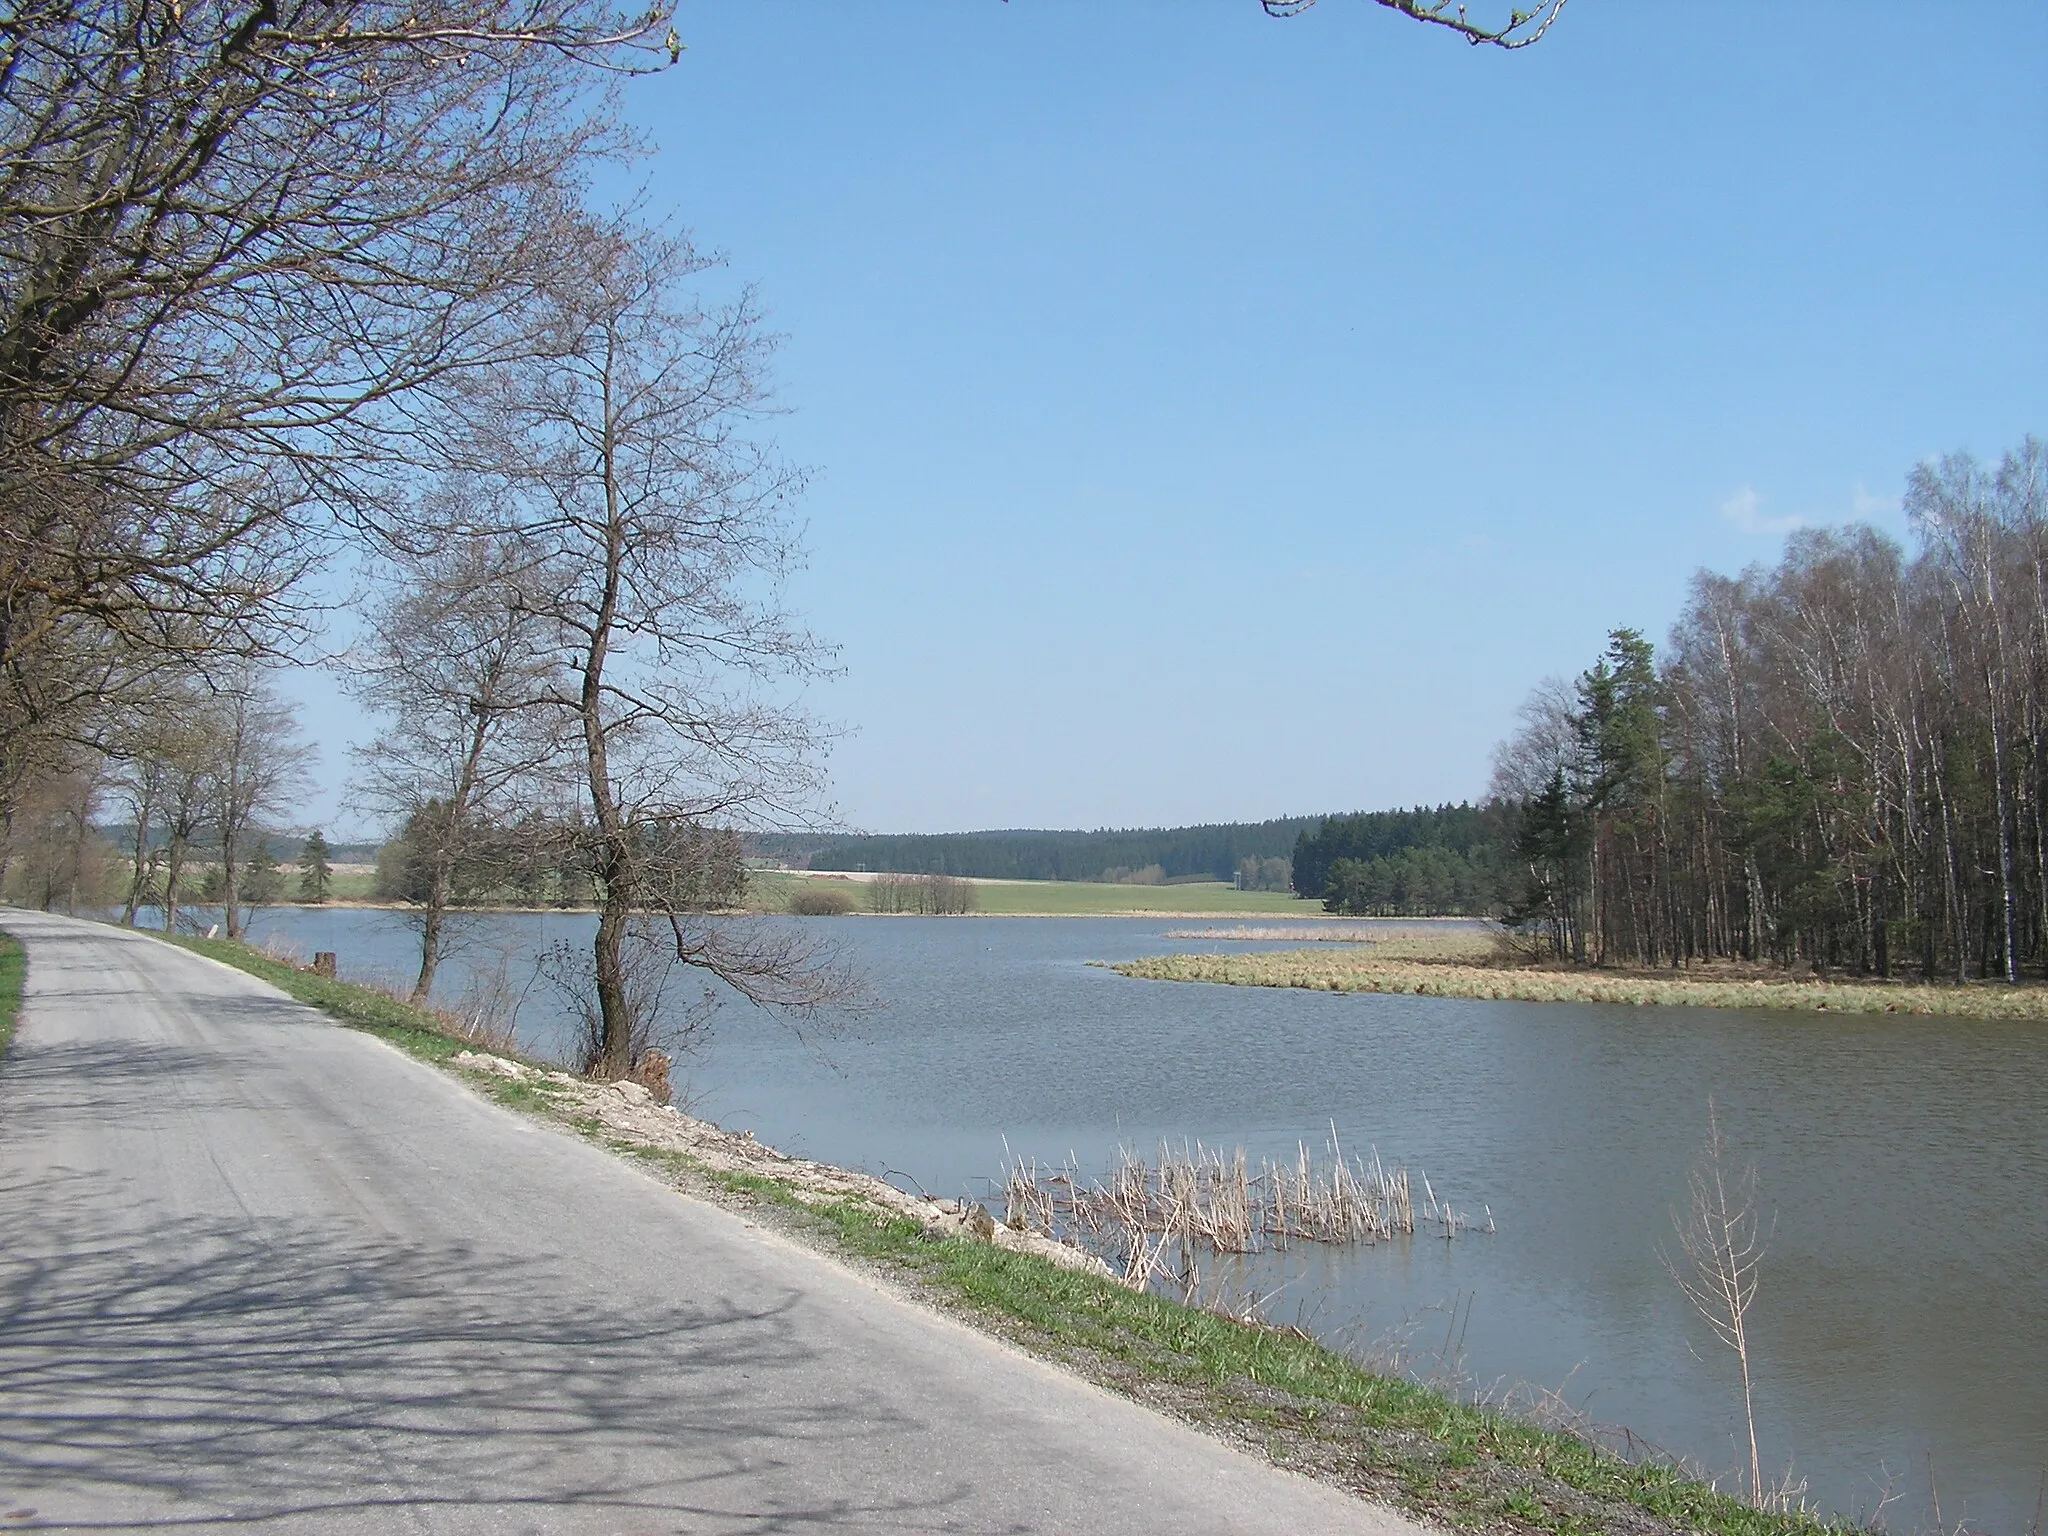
(260, 1272)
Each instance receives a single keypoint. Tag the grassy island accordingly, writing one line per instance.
(1469, 963)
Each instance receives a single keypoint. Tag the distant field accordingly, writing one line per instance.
(770, 892)
(348, 883)
(1069, 898)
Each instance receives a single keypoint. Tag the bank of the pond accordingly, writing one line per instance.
(1274, 1391)
(1370, 971)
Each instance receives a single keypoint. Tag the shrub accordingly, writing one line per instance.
(819, 901)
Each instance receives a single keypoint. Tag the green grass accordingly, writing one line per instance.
(13, 972)
(1273, 1391)
(1068, 898)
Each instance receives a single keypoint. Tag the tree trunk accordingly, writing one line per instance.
(230, 863)
(616, 1059)
(430, 942)
(137, 870)
(2005, 893)
(174, 871)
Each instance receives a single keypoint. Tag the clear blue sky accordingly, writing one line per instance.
(1218, 417)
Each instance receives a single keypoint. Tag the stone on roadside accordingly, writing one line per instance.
(497, 1066)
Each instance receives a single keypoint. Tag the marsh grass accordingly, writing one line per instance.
(1378, 971)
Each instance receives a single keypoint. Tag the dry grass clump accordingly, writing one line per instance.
(1321, 970)
(1418, 941)
(1156, 1220)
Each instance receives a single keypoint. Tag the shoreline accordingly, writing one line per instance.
(354, 904)
(1275, 1392)
(1322, 971)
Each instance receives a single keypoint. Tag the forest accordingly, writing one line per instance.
(1425, 862)
(1838, 761)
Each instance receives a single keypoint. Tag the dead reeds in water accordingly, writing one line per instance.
(1149, 1217)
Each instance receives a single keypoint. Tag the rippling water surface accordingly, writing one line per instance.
(1902, 1328)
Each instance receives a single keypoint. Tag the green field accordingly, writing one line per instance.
(1068, 898)
(350, 886)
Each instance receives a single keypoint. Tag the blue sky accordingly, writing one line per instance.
(1217, 417)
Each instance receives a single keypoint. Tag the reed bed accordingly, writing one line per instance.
(1152, 1219)
(1446, 941)
(1322, 970)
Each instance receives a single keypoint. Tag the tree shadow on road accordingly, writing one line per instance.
(291, 1375)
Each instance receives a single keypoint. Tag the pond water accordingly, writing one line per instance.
(1901, 1333)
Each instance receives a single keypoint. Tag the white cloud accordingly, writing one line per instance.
(1745, 510)
(1869, 506)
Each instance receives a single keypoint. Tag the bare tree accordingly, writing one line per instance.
(187, 807)
(653, 531)
(456, 657)
(257, 767)
(55, 856)
(1522, 27)
(1718, 1234)
(243, 243)
(141, 784)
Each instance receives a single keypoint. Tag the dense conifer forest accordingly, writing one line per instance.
(1425, 862)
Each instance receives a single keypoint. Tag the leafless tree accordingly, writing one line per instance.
(931, 895)
(187, 807)
(242, 244)
(653, 527)
(455, 658)
(1723, 1247)
(55, 855)
(257, 767)
(1522, 27)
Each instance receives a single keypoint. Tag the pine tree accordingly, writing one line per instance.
(316, 869)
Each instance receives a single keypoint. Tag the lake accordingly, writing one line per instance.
(1901, 1333)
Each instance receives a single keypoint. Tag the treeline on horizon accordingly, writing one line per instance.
(1216, 852)
(1442, 860)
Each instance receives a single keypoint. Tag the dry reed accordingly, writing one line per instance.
(1447, 940)
(1160, 1219)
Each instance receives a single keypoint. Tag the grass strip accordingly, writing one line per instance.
(1273, 1391)
(13, 973)
(413, 1030)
